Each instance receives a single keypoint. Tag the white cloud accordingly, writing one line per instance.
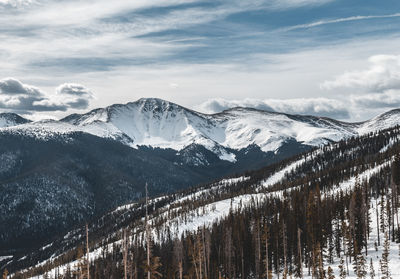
(383, 74)
(24, 98)
(73, 89)
(45, 43)
(388, 99)
(310, 106)
(12, 86)
(16, 3)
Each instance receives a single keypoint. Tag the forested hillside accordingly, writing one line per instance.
(329, 213)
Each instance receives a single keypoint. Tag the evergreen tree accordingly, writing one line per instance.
(342, 269)
(385, 257)
(330, 273)
(361, 271)
(371, 270)
(384, 262)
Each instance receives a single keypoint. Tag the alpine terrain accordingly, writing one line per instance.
(273, 190)
(331, 212)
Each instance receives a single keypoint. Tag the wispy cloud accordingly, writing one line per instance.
(339, 20)
(235, 49)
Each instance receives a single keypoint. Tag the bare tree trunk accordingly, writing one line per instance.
(125, 255)
(299, 249)
(392, 217)
(284, 250)
(200, 255)
(242, 256)
(266, 256)
(147, 235)
(178, 254)
(277, 257)
(208, 251)
(194, 253)
(87, 251)
(180, 270)
(204, 252)
(258, 248)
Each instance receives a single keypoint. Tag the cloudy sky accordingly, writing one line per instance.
(335, 58)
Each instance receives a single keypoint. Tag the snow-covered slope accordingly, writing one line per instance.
(11, 119)
(159, 123)
(380, 122)
(179, 214)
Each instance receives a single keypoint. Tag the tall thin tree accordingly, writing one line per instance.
(147, 235)
(87, 252)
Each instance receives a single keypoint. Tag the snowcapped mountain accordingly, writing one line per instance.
(11, 119)
(162, 124)
(380, 122)
(159, 123)
(63, 172)
(333, 179)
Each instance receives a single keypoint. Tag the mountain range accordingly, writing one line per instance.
(161, 124)
(56, 174)
(335, 201)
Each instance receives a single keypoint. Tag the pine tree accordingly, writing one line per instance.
(320, 261)
(346, 238)
(361, 271)
(384, 262)
(371, 270)
(330, 273)
(342, 269)
(385, 257)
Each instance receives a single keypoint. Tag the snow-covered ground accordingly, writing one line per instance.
(349, 184)
(279, 175)
(3, 258)
(214, 212)
(394, 256)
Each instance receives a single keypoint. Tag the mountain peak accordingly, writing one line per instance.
(156, 105)
(8, 119)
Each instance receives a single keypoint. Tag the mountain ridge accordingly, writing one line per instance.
(163, 124)
(333, 175)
